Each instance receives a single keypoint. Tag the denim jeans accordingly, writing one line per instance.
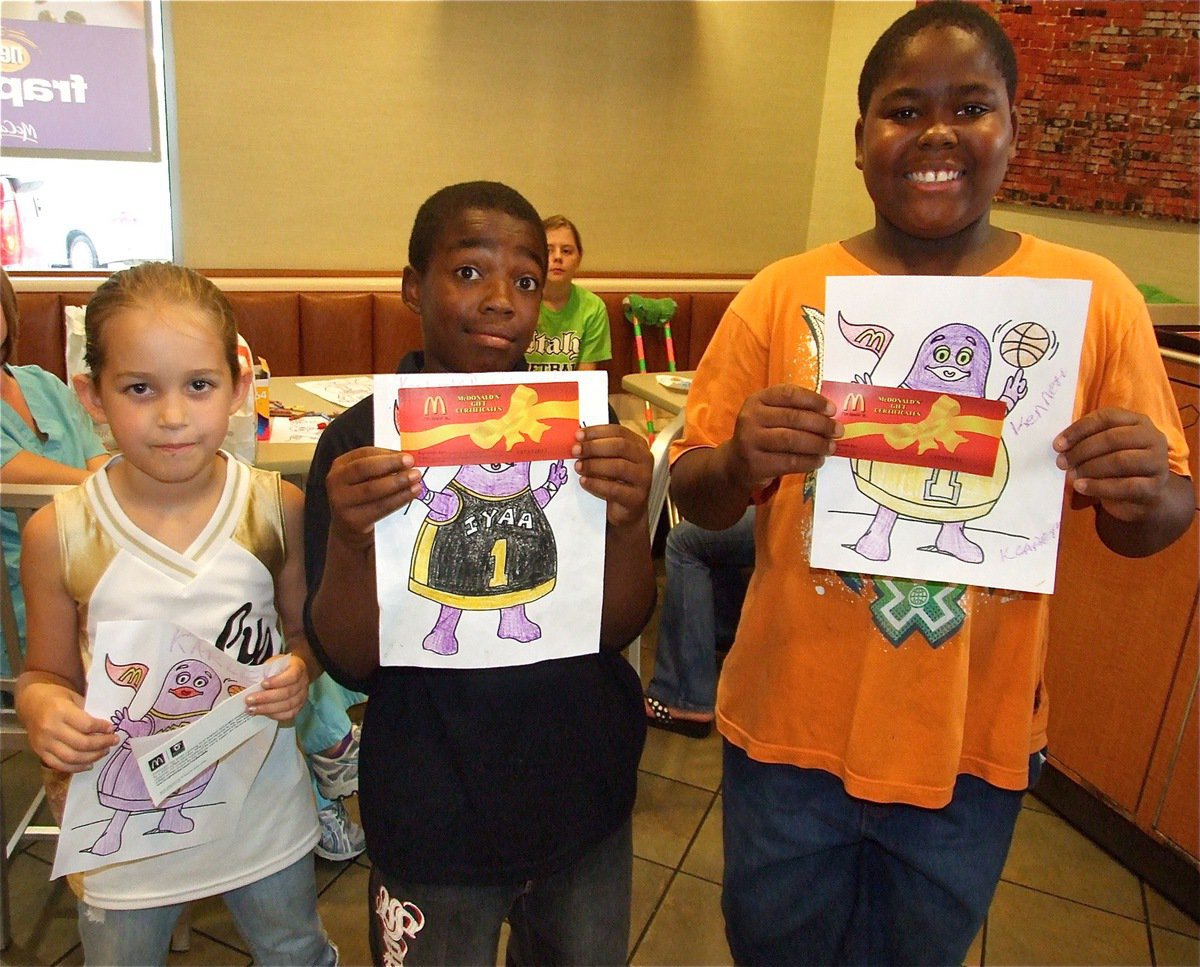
(276, 916)
(322, 723)
(685, 664)
(579, 915)
(815, 876)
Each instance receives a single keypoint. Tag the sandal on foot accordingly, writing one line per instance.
(660, 717)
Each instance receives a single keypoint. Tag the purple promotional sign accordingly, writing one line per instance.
(77, 90)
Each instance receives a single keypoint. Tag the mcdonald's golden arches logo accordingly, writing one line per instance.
(435, 406)
(855, 403)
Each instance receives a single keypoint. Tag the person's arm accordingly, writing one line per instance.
(285, 690)
(1119, 459)
(614, 464)
(50, 689)
(780, 430)
(362, 486)
(33, 468)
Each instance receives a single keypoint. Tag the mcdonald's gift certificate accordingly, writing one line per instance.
(500, 559)
(442, 425)
(917, 427)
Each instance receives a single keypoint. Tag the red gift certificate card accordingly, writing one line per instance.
(917, 427)
(504, 423)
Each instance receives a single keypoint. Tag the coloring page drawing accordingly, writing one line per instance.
(952, 391)
(149, 678)
(501, 560)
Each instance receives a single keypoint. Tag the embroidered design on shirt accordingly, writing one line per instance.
(902, 607)
(399, 922)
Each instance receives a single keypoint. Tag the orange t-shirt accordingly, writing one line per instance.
(895, 686)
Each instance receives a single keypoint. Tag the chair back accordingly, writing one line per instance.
(660, 451)
(22, 500)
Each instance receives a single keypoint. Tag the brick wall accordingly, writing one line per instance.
(1107, 105)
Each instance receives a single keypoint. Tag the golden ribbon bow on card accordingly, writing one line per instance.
(943, 427)
(522, 421)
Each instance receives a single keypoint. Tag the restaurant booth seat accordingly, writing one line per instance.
(305, 331)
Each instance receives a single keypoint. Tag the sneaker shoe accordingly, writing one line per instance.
(337, 777)
(341, 837)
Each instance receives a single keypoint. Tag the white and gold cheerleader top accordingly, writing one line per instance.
(221, 589)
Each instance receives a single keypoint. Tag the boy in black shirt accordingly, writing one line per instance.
(485, 793)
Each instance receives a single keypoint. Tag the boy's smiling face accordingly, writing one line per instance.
(937, 136)
(479, 296)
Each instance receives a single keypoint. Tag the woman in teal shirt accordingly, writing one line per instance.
(46, 437)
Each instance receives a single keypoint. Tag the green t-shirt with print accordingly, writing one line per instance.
(578, 333)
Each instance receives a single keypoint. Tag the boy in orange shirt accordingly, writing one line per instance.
(880, 734)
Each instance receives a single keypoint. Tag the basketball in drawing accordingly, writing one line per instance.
(1024, 344)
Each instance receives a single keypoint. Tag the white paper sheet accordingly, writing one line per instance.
(151, 678)
(345, 391)
(915, 522)
(561, 623)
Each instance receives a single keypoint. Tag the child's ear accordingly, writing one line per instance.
(410, 289)
(1012, 148)
(858, 154)
(241, 387)
(89, 395)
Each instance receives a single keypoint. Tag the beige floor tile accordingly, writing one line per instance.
(706, 858)
(666, 817)
(210, 918)
(649, 882)
(42, 914)
(695, 761)
(343, 906)
(202, 951)
(1164, 913)
(1050, 855)
(1032, 802)
(21, 776)
(1174, 949)
(688, 928)
(502, 946)
(974, 957)
(1028, 927)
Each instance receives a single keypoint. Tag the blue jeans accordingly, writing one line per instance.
(697, 560)
(276, 916)
(322, 723)
(815, 876)
(579, 915)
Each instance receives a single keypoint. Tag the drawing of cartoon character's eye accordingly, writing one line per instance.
(941, 354)
(964, 357)
(496, 467)
(183, 678)
(201, 681)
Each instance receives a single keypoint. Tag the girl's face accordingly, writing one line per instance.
(165, 390)
(937, 136)
(564, 255)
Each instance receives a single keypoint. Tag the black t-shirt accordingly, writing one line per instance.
(480, 776)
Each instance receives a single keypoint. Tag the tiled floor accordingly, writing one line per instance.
(1061, 901)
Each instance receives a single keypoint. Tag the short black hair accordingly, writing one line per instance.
(450, 202)
(939, 13)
